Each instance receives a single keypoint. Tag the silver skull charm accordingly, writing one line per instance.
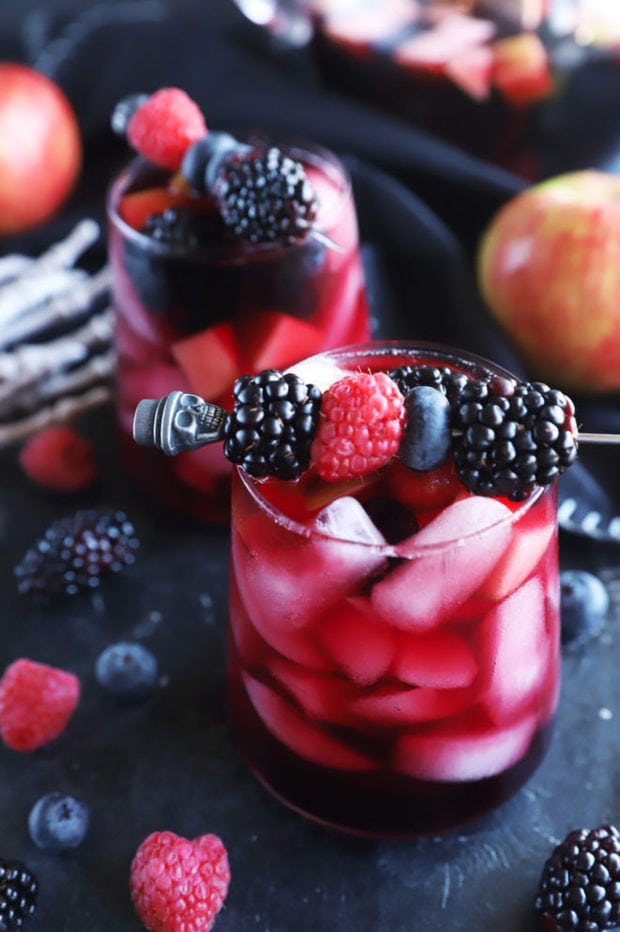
(178, 422)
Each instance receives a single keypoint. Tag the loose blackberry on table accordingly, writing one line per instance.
(76, 552)
(18, 895)
(579, 890)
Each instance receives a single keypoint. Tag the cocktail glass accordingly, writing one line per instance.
(195, 318)
(387, 681)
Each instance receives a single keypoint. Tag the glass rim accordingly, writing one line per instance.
(386, 348)
(304, 150)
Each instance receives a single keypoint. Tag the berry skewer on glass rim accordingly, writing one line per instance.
(263, 194)
(505, 437)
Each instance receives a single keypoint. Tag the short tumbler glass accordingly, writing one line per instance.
(393, 690)
(196, 318)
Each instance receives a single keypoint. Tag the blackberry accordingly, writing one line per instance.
(18, 894)
(178, 226)
(446, 380)
(75, 552)
(510, 440)
(265, 196)
(272, 424)
(580, 884)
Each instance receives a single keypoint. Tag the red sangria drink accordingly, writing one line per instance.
(503, 79)
(394, 610)
(228, 256)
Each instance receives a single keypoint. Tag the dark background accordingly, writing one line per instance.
(171, 762)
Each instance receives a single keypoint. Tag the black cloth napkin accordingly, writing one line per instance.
(422, 204)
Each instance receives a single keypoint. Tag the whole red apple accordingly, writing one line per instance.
(549, 271)
(40, 148)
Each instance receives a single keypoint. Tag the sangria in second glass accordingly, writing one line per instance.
(394, 625)
(227, 257)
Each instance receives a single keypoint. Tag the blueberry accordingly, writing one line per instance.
(57, 821)
(584, 601)
(126, 670)
(426, 441)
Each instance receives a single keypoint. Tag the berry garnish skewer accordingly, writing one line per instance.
(505, 437)
(262, 194)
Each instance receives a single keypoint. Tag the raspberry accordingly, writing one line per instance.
(580, 883)
(361, 426)
(18, 895)
(59, 459)
(36, 703)
(178, 884)
(164, 127)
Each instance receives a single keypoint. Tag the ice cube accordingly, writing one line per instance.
(289, 580)
(392, 706)
(428, 588)
(513, 650)
(322, 696)
(291, 728)
(456, 752)
(264, 616)
(360, 647)
(441, 659)
(346, 519)
(321, 371)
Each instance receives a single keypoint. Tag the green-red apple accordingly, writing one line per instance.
(40, 148)
(549, 271)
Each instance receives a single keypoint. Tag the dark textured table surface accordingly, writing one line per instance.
(171, 763)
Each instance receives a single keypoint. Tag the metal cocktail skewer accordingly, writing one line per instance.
(181, 421)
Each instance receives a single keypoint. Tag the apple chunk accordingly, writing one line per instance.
(209, 359)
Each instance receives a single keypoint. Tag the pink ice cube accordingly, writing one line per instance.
(291, 728)
(392, 706)
(455, 752)
(441, 659)
(513, 650)
(361, 648)
(287, 582)
(322, 696)
(292, 642)
(424, 591)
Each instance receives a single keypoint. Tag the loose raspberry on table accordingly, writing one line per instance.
(360, 428)
(179, 885)
(59, 459)
(36, 703)
(165, 126)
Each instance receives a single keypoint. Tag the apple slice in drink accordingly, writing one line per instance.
(513, 651)
(394, 707)
(461, 751)
(322, 696)
(415, 595)
(291, 728)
